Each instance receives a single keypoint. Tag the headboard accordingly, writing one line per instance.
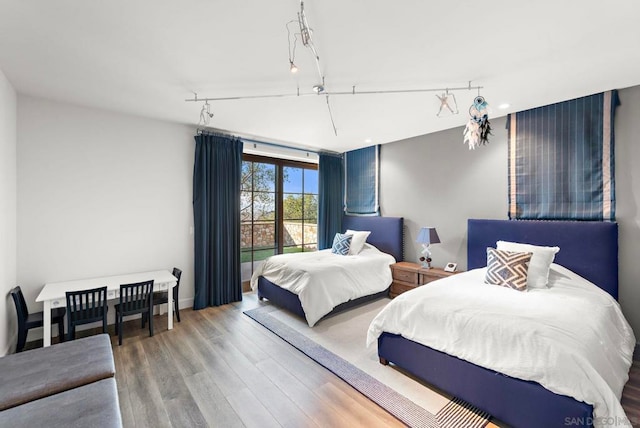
(386, 232)
(588, 248)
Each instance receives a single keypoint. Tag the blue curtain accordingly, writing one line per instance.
(330, 198)
(561, 160)
(216, 219)
(362, 176)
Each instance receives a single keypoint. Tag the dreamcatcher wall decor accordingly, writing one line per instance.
(478, 128)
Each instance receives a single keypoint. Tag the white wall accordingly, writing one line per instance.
(433, 180)
(8, 106)
(101, 193)
(627, 129)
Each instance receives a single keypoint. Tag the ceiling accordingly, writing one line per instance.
(145, 57)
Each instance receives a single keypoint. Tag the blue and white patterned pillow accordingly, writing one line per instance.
(507, 268)
(341, 244)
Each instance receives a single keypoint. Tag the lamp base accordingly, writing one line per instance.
(425, 262)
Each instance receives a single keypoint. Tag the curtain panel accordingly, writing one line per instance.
(561, 160)
(216, 215)
(362, 178)
(330, 198)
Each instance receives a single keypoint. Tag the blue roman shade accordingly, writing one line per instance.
(561, 160)
(362, 176)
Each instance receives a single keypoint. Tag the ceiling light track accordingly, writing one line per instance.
(305, 37)
(353, 91)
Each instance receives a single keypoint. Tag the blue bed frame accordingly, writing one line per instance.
(587, 248)
(386, 235)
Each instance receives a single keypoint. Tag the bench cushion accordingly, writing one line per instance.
(41, 372)
(93, 405)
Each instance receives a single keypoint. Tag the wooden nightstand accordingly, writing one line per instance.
(407, 276)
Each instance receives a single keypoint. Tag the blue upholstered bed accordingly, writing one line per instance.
(386, 235)
(590, 249)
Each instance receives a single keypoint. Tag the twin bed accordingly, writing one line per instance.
(354, 281)
(588, 249)
(588, 255)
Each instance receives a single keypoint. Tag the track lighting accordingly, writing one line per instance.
(448, 104)
(205, 113)
(299, 31)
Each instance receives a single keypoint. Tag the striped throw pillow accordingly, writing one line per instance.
(341, 244)
(507, 268)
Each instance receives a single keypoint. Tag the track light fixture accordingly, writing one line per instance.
(299, 30)
(448, 104)
(205, 112)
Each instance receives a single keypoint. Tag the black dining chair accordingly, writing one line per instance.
(85, 307)
(135, 299)
(161, 297)
(27, 321)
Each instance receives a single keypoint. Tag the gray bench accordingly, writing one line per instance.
(70, 383)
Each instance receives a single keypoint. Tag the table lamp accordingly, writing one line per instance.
(426, 237)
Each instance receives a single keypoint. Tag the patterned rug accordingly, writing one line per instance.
(456, 413)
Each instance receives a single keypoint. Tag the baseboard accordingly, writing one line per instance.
(9, 346)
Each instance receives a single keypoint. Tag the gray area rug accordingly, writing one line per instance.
(456, 413)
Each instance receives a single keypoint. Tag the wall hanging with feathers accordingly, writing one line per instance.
(478, 128)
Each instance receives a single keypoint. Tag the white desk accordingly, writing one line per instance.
(53, 294)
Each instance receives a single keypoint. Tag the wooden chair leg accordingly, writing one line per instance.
(175, 304)
(151, 321)
(61, 330)
(22, 340)
(120, 329)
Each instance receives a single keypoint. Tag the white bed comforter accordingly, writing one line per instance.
(571, 338)
(323, 280)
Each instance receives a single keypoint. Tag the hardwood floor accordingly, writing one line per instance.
(219, 368)
(631, 395)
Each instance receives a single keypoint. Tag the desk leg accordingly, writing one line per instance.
(46, 329)
(170, 306)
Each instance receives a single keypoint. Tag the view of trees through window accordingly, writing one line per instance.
(278, 208)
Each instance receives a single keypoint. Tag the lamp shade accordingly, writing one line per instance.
(428, 235)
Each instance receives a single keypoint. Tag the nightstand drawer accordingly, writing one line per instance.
(433, 274)
(405, 275)
(399, 288)
(425, 279)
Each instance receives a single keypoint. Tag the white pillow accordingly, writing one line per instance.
(541, 260)
(358, 240)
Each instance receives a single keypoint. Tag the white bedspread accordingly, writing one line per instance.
(571, 338)
(323, 280)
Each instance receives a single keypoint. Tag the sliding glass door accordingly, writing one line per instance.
(279, 209)
(300, 209)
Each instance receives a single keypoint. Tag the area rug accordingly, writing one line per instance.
(456, 413)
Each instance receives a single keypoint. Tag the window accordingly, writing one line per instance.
(278, 209)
